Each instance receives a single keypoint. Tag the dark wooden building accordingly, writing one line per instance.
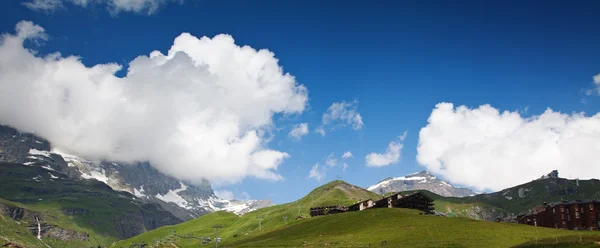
(387, 202)
(416, 200)
(316, 211)
(573, 215)
(362, 205)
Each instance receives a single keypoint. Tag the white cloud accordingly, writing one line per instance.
(44, 5)
(331, 160)
(596, 89)
(347, 155)
(224, 194)
(391, 155)
(341, 114)
(298, 131)
(200, 111)
(114, 6)
(321, 131)
(344, 166)
(486, 149)
(316, 172)
(403, 136)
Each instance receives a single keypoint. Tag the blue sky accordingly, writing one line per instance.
(397, 59)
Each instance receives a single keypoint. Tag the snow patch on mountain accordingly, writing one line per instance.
(98, 175)
(173, 197)
(140, 179)
(386, 182)
(139, 193)
(419, 181)
(38, 152)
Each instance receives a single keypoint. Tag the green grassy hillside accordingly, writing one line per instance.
(526, 196)
(518, 199)
(337, 193)
(11, 231)
(75, 213)
(333, 193)
(464, 207)
(399, 227)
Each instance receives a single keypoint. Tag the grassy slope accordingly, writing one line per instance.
(106, 211)
(399, 227)
(11, 231)
(578, 241)
(539, 191)
(355, 229)
(333, 193)
(51, 216)
(521, 198)
(463, 207)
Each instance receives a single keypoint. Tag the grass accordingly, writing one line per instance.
(462, 207)
(107, 215)
(11, 231)
(398, 227)
(526, 196)
(18, 232)
(356, 229)
(578, 241)
(334, 193)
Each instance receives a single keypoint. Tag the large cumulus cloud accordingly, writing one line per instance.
(488, 149)
(200, 111)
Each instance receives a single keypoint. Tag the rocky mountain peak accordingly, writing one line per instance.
(422, 180)
(185, 200)
(424, 174)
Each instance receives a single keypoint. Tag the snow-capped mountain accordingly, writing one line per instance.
(184, 199)
(420, 180)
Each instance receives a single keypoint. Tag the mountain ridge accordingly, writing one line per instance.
(422, 180)
(276, 226)
(184, 199)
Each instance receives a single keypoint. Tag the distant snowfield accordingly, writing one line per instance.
(93, 171)
(388, 181)
(173, 197)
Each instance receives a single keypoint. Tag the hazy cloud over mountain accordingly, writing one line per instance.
(200, 111)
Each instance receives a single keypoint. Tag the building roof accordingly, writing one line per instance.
(355, 204)
(419, 193)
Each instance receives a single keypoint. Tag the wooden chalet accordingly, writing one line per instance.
(573, 215)
(316, 211)
(361, 205)
(416, 200)
(387, 202)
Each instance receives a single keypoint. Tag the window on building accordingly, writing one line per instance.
(553, 211)
(564, 223)
(591, 206)
(568, 217)
(576, 215)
